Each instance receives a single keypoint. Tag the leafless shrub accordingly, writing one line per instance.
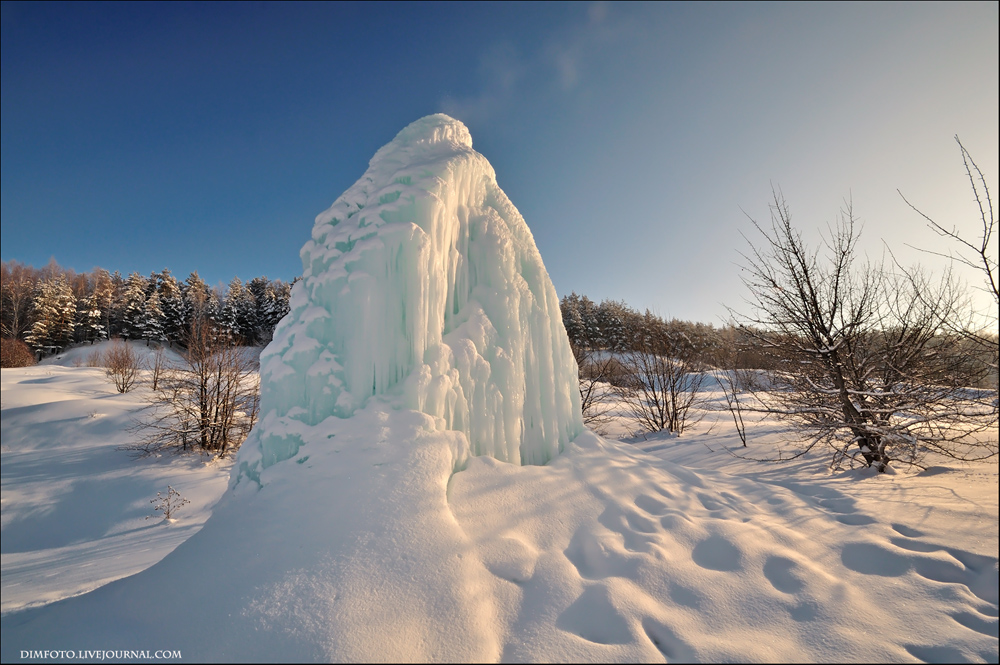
(168, 505)
(598, 369)
(207, 404)
(733, 381)
(121, 365)
(15, 353)
(661, 385)
(95, 358)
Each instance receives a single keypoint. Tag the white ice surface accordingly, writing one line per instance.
(423, 281)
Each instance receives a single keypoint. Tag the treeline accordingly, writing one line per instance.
(614, 326)
(51, 308)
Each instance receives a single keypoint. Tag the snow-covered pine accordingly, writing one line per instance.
(569, 306)
(134, 307)
(612, 325)
(116, 305)
(229, 317)
(282, 297)
(195, 293)
(591, 326)
(54, 311)
(172, 306)
(90, 319)
(264, 306)
(152, 326)
(246, 317)
(242, 312)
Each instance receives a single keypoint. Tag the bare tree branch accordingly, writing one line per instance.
(864, 359)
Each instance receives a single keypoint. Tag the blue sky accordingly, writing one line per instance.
(632, 137)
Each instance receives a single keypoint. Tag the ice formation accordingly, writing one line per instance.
(423, 283)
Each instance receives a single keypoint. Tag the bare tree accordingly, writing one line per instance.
(121, 364)
(157, 365)
(598, 369)
(95, 358)
(17, 291)
(733, 380)
(865, 363)
(979, 254)
(662, 383)
(208, 404)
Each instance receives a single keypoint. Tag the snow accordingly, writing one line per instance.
(373, 549)
(74, 508)
(367, 524)
(86, 355)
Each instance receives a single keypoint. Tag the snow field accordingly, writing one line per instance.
(371, 548)
(74, 507)
(419, 487)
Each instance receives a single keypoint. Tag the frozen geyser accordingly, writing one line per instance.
(423, 283)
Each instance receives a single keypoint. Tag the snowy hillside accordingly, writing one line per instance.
(74, 507)
(419, 487)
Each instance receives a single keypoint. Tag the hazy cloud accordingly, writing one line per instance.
(560, 62)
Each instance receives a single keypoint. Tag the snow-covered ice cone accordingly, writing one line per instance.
(423, 282)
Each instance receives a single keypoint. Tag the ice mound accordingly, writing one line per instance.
(422, 282)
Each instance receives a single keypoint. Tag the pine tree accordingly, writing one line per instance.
(264, 303)
(90, 320)
(102, 292)
(172, 306)
(54, 313)
(238, 314)
(212, 311)
(66, 307)
(572, 321)
(134, 307)
(196, 297)
(116, 305)
(152, 325)
(282, 301)
(591, 328)
(611, 321)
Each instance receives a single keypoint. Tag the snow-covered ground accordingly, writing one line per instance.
(73, 507)
(664, 548)
(419, 487)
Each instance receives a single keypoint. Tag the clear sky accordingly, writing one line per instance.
(631, 137)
